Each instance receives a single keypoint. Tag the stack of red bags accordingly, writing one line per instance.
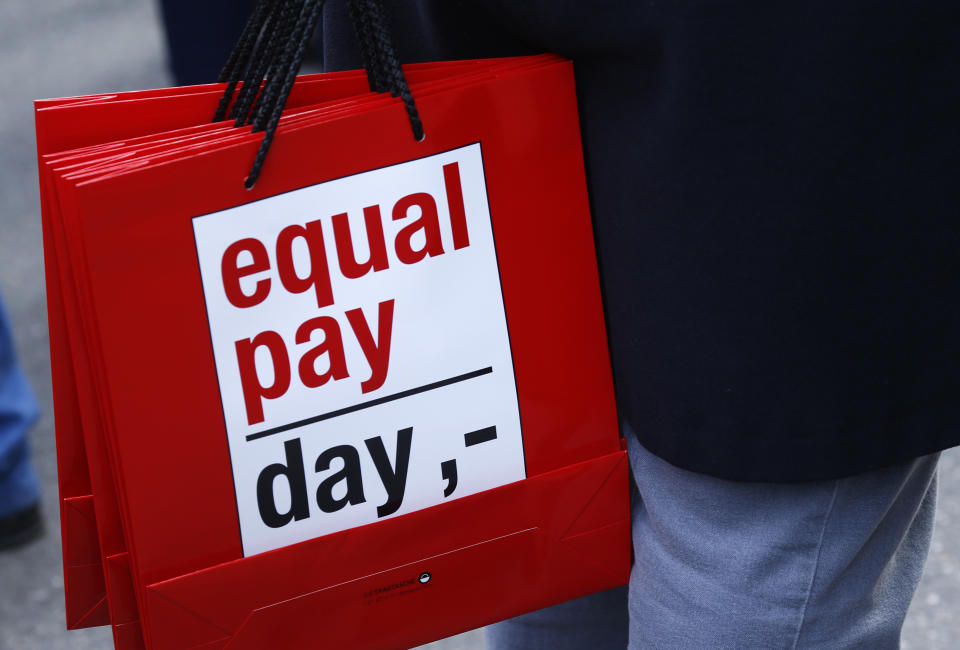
(366, 403)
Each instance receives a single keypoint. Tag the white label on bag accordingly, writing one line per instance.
(361, 348)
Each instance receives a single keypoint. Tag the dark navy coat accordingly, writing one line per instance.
(776, 196)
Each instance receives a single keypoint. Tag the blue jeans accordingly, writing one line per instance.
(720, 564)
(19, 486)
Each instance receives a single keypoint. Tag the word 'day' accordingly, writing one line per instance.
(360, 344)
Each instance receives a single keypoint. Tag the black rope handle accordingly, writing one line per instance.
(305, 24)
(239, 59)
(294, 46)
(364, 31)
(265, 61)
(273, 31)
(385, 60)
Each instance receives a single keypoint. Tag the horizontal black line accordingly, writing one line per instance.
(480, 435)
(373, 402)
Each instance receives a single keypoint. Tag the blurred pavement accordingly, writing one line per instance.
(70, 47)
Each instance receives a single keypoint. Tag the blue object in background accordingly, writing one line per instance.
(19, 485)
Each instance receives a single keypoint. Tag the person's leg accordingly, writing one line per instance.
(19, 486)
(722, 564)
(827, 564)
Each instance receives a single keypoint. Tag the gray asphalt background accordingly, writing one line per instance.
(69, 47)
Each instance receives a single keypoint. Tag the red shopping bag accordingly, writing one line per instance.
(92, 121)
(375, 383)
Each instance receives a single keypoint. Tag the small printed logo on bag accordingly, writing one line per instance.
(400, 588)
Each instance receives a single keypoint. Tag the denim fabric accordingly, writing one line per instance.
(721, 564)
(19, 486)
